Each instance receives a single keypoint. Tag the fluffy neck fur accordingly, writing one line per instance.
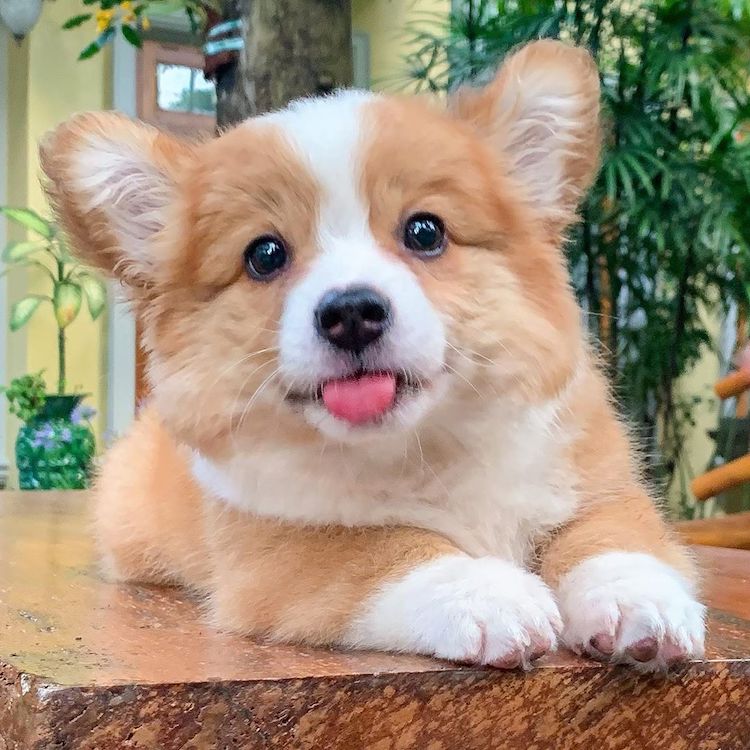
(488, 474)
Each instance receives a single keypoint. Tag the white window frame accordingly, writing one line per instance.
(361, 59)
(4, 104)
(121, 339)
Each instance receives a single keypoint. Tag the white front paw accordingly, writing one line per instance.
(632, 608)
(478, 611)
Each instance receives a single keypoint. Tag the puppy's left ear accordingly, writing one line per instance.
(542, 113)
(111, 182)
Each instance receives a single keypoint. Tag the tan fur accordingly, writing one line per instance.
(306, 583)
(501, 267)
(494, 111)
(211, 333)
(286, 582)
(89, 231)
(616, 512)
(149, 514)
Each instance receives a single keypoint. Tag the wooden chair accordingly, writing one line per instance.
(732, 530)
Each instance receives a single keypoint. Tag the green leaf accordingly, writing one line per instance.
(71, 23)
(96, 293)
(103, 39)
(627, 182)
(63, 253)
(194, 26)
(106, 36)
(89, 51)
(66, 302)
(29, 264)
(610, 179)
(30, 220)
(22, 311)
(16, 251)
(636, 166)
(132, 35)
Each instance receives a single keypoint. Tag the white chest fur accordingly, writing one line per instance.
(492, 490)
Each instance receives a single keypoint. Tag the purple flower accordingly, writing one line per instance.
(82, 413)
(45, 443)
(45, 431)
(44, 437)
(66, 435)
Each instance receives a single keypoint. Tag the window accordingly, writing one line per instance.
(180, 88)
(172, 92)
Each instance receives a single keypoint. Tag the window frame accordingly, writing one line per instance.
(152, 54)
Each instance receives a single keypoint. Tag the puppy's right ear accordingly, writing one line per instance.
(111, 182)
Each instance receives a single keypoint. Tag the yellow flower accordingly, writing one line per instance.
(145, 23)
(104, 19)
(126, 6)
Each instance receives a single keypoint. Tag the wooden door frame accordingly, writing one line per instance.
(180, 123)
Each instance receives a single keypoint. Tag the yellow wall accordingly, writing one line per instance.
(386, 22)
(47, 85)
(699, 446)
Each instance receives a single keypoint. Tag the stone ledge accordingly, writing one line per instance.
(87, 665)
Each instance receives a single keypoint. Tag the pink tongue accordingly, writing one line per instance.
(360, 399)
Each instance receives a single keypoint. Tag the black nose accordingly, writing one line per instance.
(353, 318)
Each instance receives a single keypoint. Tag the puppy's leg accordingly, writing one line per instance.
(148, 511)
(626, 588)
(389, 588)
(395, 589)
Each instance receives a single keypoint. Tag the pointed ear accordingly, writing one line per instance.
(542, 113)
(111, 182)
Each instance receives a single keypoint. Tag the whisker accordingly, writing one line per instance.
(232, 366)
(470, 353)
(255, 396)
(426, 463)
(239, 393)
(241, 361)
(464, 378)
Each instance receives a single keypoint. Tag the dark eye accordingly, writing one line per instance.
(265, 257)
(424, 234)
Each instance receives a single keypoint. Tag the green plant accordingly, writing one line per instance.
(69, 281)
(132, 18)
(665, 231)
(26, 396)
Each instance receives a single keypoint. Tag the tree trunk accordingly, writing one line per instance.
(292, 48)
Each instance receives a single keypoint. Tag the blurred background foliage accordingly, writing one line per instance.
(665, 232)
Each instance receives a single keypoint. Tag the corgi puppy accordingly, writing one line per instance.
(375, 420)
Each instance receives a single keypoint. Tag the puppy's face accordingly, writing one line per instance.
(357, 263)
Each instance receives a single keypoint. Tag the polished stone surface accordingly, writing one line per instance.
(87, 664)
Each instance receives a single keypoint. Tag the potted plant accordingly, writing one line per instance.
(131, 18)
(55, 445)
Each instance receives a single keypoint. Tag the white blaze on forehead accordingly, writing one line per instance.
(329, 134)
(331, 137)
